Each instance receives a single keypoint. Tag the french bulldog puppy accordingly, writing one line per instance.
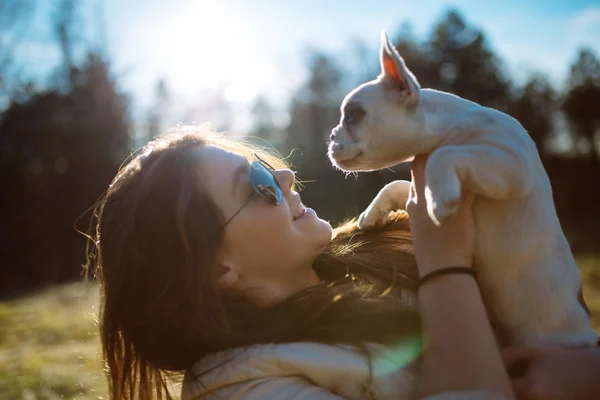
(525, 268)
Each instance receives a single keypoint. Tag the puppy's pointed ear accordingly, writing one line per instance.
(394, 73)
(227, 275)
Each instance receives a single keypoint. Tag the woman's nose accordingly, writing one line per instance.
(285, 177)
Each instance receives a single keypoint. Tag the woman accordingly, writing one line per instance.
(210, 265)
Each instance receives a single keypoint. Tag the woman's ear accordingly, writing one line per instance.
(227, 275)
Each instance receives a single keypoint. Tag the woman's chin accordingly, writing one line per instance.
(314, 227)
(325, 231)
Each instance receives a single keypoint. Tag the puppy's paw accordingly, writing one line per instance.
(373, 217)
(442, 206)
(391, 197)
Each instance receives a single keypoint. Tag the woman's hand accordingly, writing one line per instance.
(554, 373)
(452, 244)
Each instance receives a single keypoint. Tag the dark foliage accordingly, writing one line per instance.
(58, 153)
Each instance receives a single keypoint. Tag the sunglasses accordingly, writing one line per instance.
(264, 184)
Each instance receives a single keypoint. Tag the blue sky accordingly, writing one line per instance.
(246, 47)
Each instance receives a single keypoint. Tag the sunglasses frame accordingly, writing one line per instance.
(258, 190)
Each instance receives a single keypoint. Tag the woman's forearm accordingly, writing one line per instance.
(460, 351)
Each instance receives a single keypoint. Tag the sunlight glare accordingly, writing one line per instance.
(208, 49)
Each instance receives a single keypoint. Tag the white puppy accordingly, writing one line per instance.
(525, 268)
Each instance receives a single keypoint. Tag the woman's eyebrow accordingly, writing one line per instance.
(240, 171)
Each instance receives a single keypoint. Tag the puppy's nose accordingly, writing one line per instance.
(332, 136)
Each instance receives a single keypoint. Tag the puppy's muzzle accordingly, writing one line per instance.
(346, 136)
(334, 132)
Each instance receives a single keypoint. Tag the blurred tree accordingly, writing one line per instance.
(212, 106)
(314, 109)
(59, 150)
(417, 57)
(365, 62)
(58, 153)
(263, 127)
(65, 25)
(462, 62)
(158, 110)
(582, 102)
(535, 106)
(14, 21)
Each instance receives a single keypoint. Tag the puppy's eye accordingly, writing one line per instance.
(354, 115)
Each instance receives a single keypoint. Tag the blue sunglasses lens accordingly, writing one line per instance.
(265, 183)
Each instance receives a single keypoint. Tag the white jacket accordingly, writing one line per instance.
(297, 371)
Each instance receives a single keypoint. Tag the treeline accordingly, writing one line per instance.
(61, 146)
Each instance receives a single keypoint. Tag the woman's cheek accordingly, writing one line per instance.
(273, 221)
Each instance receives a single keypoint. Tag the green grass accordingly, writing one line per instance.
(49, 344)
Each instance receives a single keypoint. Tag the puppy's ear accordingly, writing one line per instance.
(394, 73)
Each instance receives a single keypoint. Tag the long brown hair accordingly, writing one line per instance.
(156, 235)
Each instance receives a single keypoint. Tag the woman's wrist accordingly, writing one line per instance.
(427, 265)
(446, 285)
(424, 279)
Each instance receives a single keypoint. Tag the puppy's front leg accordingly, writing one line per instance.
(482, 169)
(392, 197)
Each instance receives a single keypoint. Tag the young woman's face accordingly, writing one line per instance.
(266, 246)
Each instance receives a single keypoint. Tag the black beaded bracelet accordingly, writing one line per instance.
(443, 271)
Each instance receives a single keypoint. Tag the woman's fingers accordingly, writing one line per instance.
(526, 352)
(467, 199)
(523, 390)
(517, 353)
(417, 187)
(517, 360)
(466, 204)
(417, 172)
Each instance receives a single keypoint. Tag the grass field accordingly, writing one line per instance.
(49, 345)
